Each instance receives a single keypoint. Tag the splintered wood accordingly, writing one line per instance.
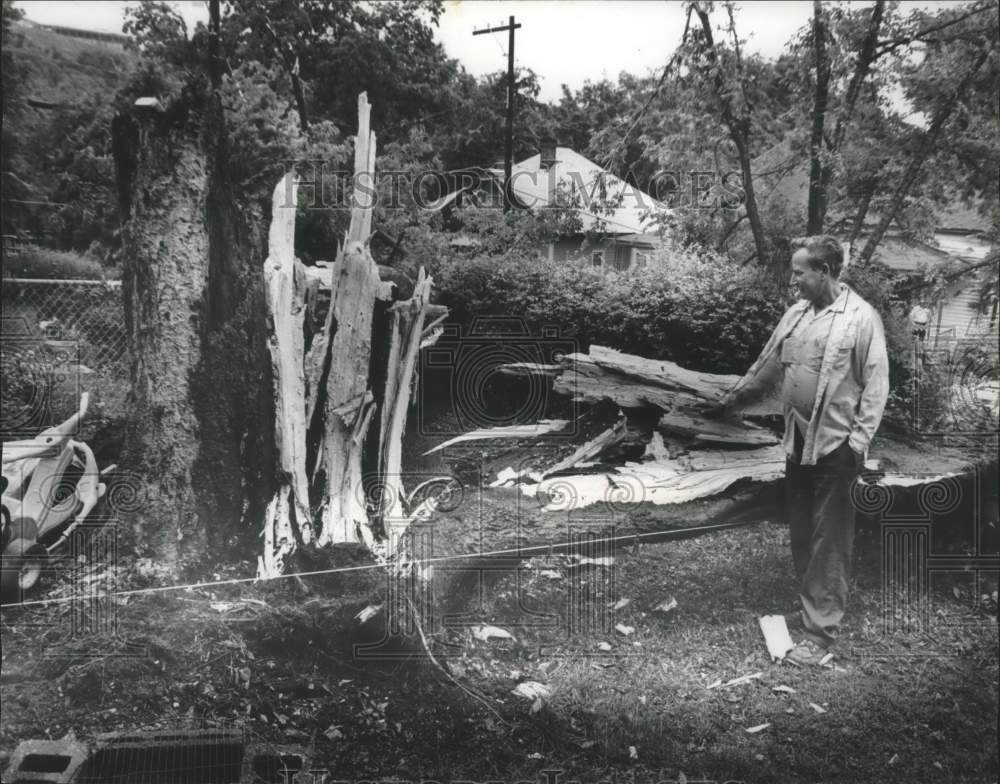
(324, 401)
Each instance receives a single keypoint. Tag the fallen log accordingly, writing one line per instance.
(692, 425)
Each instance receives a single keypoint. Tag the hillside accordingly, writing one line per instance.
(58, 176)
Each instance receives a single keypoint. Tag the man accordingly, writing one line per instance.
(828, 354)
(919, 316)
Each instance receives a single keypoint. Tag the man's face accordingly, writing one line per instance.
(808, 282)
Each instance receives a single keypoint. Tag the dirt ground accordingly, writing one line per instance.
(614, 670)
(913, 695)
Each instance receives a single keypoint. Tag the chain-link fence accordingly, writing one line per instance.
(60, 338)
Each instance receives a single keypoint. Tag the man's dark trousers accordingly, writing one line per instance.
(821, 516)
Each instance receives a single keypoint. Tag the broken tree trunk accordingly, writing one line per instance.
(285, 290)
(355, 285)
(327, 397)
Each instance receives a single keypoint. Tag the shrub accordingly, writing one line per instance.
(48, 264)
(696, 309)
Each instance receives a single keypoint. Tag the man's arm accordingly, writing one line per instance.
(872, 368)
(760, 381)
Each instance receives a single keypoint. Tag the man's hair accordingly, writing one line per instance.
(823, 250)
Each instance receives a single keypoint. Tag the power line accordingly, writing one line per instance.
(515, 552)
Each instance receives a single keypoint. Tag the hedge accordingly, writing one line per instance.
(698, 310)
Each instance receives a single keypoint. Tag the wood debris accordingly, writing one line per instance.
(541, 427)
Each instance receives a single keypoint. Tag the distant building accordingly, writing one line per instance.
(618, 230)
(960, 236)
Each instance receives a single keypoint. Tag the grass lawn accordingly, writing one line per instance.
(910, 699)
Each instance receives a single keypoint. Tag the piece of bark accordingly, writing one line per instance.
(410, 326)
(540, 428)
(591, 448)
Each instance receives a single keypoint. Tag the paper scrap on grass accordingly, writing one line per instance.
(532, 690)
(758, 728)
(621, 628)
(817, 708)
(369, 612)
(667, 606)
(776, 636)
(784, 689)
(541, 427)
(485, 633)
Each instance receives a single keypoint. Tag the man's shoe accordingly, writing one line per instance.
(808, 654)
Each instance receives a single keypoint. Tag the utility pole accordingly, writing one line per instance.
(508, 159)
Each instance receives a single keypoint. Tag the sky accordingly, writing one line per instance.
(563, 41)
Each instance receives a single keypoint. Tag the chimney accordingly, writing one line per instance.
(548, 154)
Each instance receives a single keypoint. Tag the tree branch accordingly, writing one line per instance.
(739, 131)
(816, 209)
(884, 47)
(920, 156)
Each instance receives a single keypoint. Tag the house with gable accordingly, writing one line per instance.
(618, 223)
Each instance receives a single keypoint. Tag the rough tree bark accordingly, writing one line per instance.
(193, 446)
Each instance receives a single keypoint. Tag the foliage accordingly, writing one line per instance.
(45, 263)
(694, 308)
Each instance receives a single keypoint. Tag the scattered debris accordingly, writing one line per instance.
(622, 629)
(817, 708)
(585, 561)
(540, 428)
(656, 449)
(776, 636)
(604, 646)
(592, 448)
(621, 603)
(368, 613)
(736, 681)
(758, 728)
(893, 759)
(485, 633)
(783, 689)
(666, 606)
(552, 574)
(532, 690)
(633, 753)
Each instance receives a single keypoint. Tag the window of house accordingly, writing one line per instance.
(623, 257)
(597, 258)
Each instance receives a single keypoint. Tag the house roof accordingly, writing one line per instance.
(903, 254)
(536, 187)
